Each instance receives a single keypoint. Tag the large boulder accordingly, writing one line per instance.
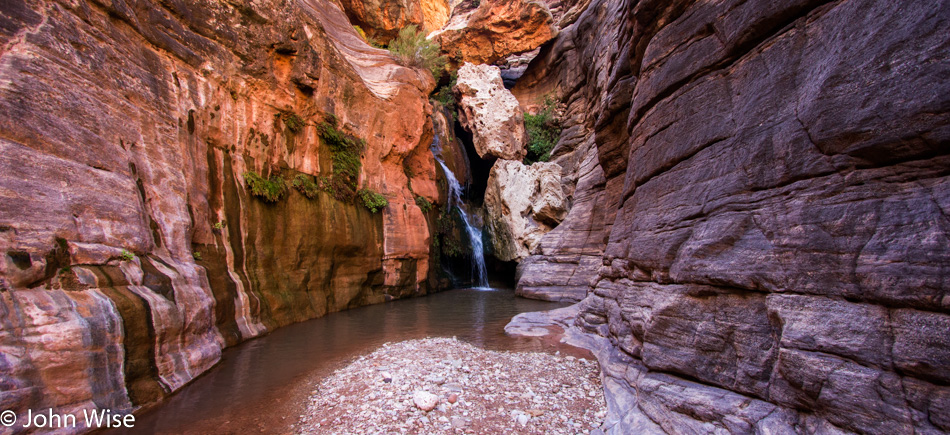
(495, 29)
(490, 112)
(522, 203)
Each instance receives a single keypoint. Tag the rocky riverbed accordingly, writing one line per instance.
(445, 386)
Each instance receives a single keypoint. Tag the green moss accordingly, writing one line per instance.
(445, 95)
(372, 200)
(127, 256)
(423, 204)
(293, 121)
(218, 225)
(196, 255)
(305, 184)
(448, 234)
(270, 190)
(345, 150)
(412, 49)
(544, 130)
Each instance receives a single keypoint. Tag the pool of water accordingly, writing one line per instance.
(261, 386)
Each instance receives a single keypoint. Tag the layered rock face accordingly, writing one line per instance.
(489, 30)
(130, 249)
(382, 20)
(522, 203)
(769, 185)
(490, 112)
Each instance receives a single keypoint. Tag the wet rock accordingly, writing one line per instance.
(490, 112)
(522, 203)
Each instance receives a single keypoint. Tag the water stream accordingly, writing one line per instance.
(479, 271)
(262, 386)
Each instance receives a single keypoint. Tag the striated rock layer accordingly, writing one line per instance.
(761, 193)
(130, 249)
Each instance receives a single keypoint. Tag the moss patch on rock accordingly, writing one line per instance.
(268, 189)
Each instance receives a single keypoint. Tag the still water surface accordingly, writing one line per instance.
(261, 386)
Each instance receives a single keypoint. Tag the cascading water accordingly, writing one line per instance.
(479, 271)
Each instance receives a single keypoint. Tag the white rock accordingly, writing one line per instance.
(490, 112)
(425, 400)
(523, 419)
(522, 203)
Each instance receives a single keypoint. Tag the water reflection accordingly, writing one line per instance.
(254, 373)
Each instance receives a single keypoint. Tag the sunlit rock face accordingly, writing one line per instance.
(130, 249)
(491, 30)
(760, 194)
(382, 20)
(490, 112)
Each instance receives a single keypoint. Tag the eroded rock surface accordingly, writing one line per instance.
(522, 203)
(491, 30)
(490, 112)
(131, 252)
(768, 186)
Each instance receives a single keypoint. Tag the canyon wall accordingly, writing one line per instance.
(131, 251)
(759, 229)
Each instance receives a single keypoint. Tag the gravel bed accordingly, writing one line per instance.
(445, 386)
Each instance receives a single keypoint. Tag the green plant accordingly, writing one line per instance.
(412, 49)
(372, 200)
(445, 95)
(218, 225)
(293, 121)
(448, 235)
(306, 186)
(359, 31)
(127, 256)
(423, 204)
(196, 255)
(544, 130)
(345, 150)
(270, 190)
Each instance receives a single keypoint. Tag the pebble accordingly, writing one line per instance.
(425, 400)
(453, 398)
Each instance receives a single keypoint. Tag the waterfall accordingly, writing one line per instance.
(479, 271)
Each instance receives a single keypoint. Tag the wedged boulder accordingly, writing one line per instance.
(495, 29)
(522, 203)
(490, 112)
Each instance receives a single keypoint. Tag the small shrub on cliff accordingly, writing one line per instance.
(305, 185)
(293, 121)
(412, 49)
(543, 132)
(374, 201)
(270, 190)
(423, 204)
(127, 256)
(346, 150)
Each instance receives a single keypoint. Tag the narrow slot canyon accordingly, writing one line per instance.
(474, 217)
